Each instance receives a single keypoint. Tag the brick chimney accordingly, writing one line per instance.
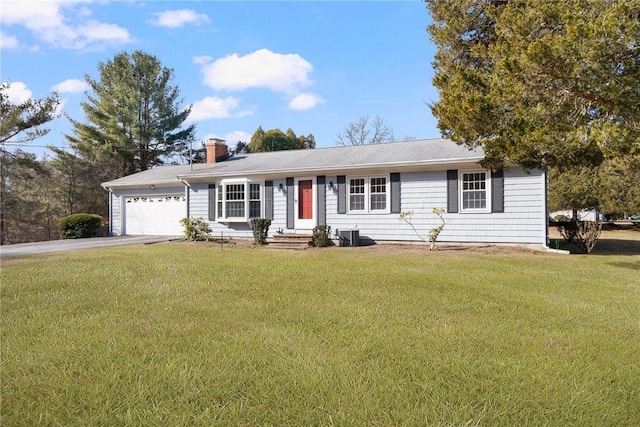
(217, 150)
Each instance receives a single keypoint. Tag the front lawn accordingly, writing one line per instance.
(182, 334)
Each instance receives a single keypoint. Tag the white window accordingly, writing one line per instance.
(238, 200)
(368, 194)
(475, 191)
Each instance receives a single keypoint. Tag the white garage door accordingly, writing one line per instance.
(158, 215)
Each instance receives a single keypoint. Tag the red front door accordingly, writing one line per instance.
(305, 199)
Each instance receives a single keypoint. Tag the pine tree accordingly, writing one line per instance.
(135, 121)
(538, 83)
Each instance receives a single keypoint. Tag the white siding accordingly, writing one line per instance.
(115, 220)
(279, 221)
(523, 220)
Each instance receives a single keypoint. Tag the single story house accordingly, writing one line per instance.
(362, 188)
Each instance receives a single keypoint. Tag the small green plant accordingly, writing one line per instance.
(561, 218)
(433, 234)
(320, 237)
(80, 225)
(195, 229)
(260, 228)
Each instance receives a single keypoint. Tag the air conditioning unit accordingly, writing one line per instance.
(349, 237)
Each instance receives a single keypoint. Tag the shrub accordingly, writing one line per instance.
(260, 228)
(561, 218)
(195, 229)
(320, 237)
(433, 234)
(584, 234)
(587, 234)
(568, 230)
(80, 225)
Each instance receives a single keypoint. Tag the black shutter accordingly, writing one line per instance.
(322, 200)
(290, 204)
(395, 192)
(268, 199)
(212, 202)
(342, 194)
(452, 190)
(497, 191)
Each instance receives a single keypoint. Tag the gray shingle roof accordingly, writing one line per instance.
(320, 160)
(157, 176)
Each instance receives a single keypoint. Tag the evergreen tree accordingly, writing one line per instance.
(21, 175)
(538, 83)
(134, 116)
(620, 183)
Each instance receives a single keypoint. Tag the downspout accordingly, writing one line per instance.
(110, 192)
(546, 206)
(187, 195)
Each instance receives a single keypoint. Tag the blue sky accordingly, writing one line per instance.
(313, 66)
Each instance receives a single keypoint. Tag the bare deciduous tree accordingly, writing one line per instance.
(365, 131)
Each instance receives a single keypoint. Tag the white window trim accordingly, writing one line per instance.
(487, 189)
(367, 194)
(246, 218)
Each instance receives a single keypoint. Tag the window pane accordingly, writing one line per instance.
(254, 209)
(378, 194)
(356, 202)
(254, 191)
(378, 202)
(235, 192)
(378, 185)
(474, 200)
(235, 209)
(474, 194)
(254, 200)
(234, 201)
(356, 186)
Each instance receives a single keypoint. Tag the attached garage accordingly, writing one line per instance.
(149, 203)
(157, 215)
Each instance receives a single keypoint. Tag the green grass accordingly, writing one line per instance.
(181, 334)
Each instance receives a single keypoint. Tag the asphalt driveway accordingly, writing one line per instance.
(21, 249)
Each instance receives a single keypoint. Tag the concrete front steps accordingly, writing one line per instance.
(289, 241)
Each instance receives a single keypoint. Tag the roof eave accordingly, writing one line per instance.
(162, 183)
(294, 171)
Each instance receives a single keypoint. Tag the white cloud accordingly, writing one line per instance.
(8, 42)
(178, 18)
(202, 60)
(232, 137)
(288, 73)
(71, 86)
(94, 30)
(18, 93)
(62, 23)
(305, 101)
(213, 107)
